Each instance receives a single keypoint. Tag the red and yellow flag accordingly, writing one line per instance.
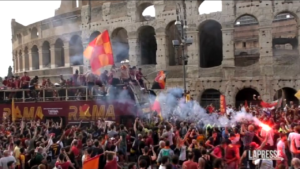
(99, 52)
(222, 104)
(15, 111)
(157, 108)
(161, 79)
(92, 163)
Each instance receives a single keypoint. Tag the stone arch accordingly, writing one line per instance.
(210, 96)
(287, 93)
(59, 53)
(94, 35)
(202, 4)
(19, 37)
(26, 58)
(246, 40)
(285, 34)
(34, 33)
(147, 45)
(211, 44)
(246, 94)
(140, 9)
(120, 46)
(76, 50)
(35, 57)
(21, 60)
(174, 53)
(46, 55)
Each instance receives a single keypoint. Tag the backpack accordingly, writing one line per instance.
(165, 153)
(208, 164)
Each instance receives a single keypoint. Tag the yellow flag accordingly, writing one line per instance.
(187, 98)
(13, 110)
(39, 114)
(298, 95)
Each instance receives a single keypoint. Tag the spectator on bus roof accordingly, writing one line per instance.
(25, 79)
(104, 77)
(75, 78)
(5, 81)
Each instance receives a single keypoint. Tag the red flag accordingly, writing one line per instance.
(268, 105)
(222, 104)
(99, 52)
(161, 79)
(246, 104)
(92, 163)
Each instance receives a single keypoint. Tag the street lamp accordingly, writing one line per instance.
(183, 42)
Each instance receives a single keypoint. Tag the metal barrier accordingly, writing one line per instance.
(68, 94)
(25, 95)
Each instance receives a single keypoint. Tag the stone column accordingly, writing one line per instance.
(67, 54)
(86, 62)
(298, 27)
(20, 64)
(134, 49)
(41, 57)
(266, 51)
(228, 48)
(30, 60)
(193, 49)
(228, 52)
(23, 60)
(17, 66)
(162, 61)
(52, 56)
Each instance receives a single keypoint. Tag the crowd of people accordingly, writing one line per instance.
(98, 85)
(155, 143)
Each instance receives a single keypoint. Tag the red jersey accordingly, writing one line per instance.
(75, 151)
(190, 164)
(17, 84)
(230, 152)
(5, 82)
(44, 83)
(64, 165)
(12, 84)
(25, 80)
(9, 83)
(139, 75)
(111, 164)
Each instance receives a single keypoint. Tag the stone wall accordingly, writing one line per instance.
(265, 75)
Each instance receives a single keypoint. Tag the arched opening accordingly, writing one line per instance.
(288, 94)
(146, 12)
(34, 33)
(246, 41)
(94, 35)
(210, 96)
(59, 53)
(246, 95)
(26, 58)
(211, 44)
(174, 53)
(35, 58)
(21, 60)
(120, 44)
(285, 35)
(206, 7)
(46, 55)
(148, 46)
(76, 51)
(19, 36)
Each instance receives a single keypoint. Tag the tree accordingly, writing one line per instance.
(9, 73)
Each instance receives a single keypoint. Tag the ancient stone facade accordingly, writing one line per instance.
(250, 44)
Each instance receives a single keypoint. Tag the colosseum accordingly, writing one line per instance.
(251, 47)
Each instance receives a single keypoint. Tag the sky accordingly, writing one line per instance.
(28, 12)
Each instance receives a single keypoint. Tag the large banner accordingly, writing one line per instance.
(73, 110)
